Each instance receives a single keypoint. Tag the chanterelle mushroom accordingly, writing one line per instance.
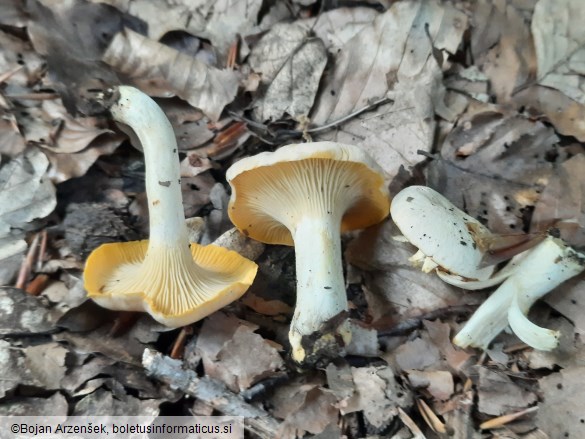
(176, 282)
(305, 195)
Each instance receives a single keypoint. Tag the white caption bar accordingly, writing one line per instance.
(127, 427)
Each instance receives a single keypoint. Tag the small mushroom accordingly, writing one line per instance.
(536, 272)
(306, 195)
(176, 282)
(448, 240)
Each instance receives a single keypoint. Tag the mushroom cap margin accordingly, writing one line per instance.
(213, 260)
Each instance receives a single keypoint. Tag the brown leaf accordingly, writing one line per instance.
(291, 65)
(233, 353)
(502, 46)
(438, 383)
(304, 406)
(337, 26)
(499, 395)
(46, 364)
(66, 166)
(392, 57)
(561, 413)
(559, 46)
(494, 165)
(564, 199)
(378, 394)
(141, 58)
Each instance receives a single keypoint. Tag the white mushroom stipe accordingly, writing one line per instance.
(540, 270)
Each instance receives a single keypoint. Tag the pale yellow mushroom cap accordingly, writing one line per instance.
(271, 191)
(175, 285)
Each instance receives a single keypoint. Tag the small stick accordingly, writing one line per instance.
(38, 284)
(501, 421)
(430, 417)
(26, 266)
(34, 96)
(43, 250)
(123, 322)
(179, 344)
(410, 424)
(256, 420)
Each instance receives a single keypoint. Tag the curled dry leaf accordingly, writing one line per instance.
(141, 58)
(51, 127)
(66, 166)
(395, 289)
(291, 64)
(391, 57)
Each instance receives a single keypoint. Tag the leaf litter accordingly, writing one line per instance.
(483, 102)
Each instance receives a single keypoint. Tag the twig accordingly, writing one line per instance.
(344, 119)
(43, 250)
(26, 266)
(313, 130)
(211, 392)
(179, 344)
(501, 421)
(408, 325)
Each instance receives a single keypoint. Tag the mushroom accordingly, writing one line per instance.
(176, 282)
(454, 245)
(448, 240)
(306, 195)
(537, 272)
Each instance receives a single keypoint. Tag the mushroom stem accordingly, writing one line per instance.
(163, 184)
(541, 269)
(320, 285)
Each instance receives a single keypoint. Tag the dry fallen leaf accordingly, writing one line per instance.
(561, 413)
(378, 394)
(337, 26)
(46, 364)
(234, 354)
(391, 57)
(499, 395)
(305, 407)
(494, 165)
(141, 58)
(502, 46)
(291, 64)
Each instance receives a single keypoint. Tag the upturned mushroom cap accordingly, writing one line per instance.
(448, 236)
(272, 190)
(176, 282)
(175, 286)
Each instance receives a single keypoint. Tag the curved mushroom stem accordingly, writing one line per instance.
(163, 184)
(320, 285)
(542, 268)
